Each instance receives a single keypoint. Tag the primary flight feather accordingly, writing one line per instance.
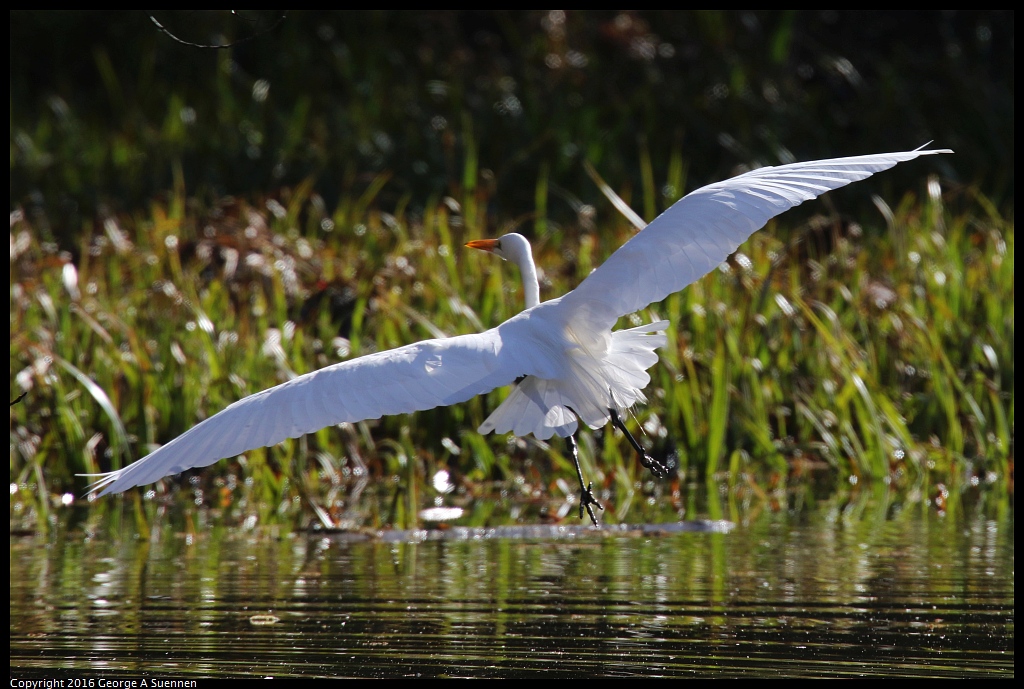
(569, 363)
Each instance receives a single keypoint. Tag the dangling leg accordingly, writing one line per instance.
(587, 499)
(658, 469)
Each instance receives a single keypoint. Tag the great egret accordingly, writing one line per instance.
(569, 364)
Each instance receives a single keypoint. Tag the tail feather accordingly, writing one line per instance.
(551, 407)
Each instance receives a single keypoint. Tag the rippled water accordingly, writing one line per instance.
(827, 595)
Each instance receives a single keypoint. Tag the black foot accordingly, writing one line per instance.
(588, 502)
(587, 499)
(658, 470)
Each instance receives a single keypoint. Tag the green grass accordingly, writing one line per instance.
(874, 351)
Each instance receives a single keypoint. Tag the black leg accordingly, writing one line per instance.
(587, 499)
(658, 469)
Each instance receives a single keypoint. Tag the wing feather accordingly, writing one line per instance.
(411, 378)
(699, 232)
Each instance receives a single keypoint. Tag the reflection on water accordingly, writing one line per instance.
(914, 595)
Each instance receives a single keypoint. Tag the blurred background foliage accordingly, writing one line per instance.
(107, 111)
(191, 225)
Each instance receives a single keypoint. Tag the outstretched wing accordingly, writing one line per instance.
(420, 376)
(700, 231)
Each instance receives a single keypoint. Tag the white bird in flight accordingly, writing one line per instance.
(569, 364)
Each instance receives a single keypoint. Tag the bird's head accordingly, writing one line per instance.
(510, 247)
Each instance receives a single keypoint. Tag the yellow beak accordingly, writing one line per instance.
(483, 244)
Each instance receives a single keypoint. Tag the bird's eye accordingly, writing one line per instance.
(498, 245)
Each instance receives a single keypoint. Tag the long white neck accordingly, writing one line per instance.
(516, 248)
(531, 287)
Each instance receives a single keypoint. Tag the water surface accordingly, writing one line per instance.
(820, 594)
